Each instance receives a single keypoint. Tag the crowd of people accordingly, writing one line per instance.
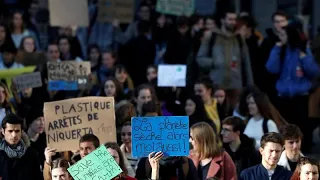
(252, 101)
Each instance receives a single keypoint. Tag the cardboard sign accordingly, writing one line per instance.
(31, 59)
(176, 7)
(68, 13)
(114, 9)
(98, 165)
(172, 75)
(68, 120)
(169, 134)
(30, 80)
(68, 75)
(7, 75)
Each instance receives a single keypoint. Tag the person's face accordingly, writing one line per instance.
(37, 125)
(53, 53)
(17, 20)
(94, 56)
(126, 135)
(109, 88)
(244, 31)
(28, 45)
(60, 174)
(190, 107)
(220, 95)
(86, 148)
(202, 91)
(64, 46)
(161, 21)
(151, 74)
(309, 172)
(144, 96)
(114, 154)
(283, 36)
(200, 23)
(252, 106)
(271, 153)
(8, 57)
(279, 22)
(292, 146)
(193, 142)
(144, 13)
(228, 135)
(210, 24)
(183, 29)
(107, 60)
(12, 133)
(2, 95)
(2, 33)
(121, 76)
(27, 92)
(229, 22)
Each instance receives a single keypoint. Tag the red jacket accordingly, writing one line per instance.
(221, 166)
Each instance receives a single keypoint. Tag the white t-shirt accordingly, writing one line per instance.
(254, 129)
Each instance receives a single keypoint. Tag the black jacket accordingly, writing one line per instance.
(260, 173)
(246, 156)
(25, 168)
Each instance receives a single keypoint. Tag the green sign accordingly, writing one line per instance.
(176, 7)
(98, 165)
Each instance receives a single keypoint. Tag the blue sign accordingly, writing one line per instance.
(169, 134)
(56, 85)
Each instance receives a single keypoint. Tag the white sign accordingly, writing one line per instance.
(172, 75)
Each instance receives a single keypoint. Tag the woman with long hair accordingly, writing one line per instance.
(307, 169)
(207, 154)
(6, 106)
(112, 88)
(115, 151)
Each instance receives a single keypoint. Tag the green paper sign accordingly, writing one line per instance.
(98, 165)
(176, 7)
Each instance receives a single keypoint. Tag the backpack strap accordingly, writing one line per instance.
(211, 43)
(265, 126)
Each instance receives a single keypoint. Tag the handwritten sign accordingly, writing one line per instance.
(176, 7)
(69, 12)
(68, 120)
(114, 9)
(169, 134)
(68, 75)
(172, 75)
(98, 165)
(30, 80)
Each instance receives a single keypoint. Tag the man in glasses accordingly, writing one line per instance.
(239, 146)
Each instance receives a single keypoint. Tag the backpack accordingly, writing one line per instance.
(185, 167)
(239, 39)
(265, 126)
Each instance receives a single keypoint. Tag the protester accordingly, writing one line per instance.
(239, 146)
(307, 169)
(207, 155)
(18, 160)
(292, 146)
(59, 170)
(270, 150)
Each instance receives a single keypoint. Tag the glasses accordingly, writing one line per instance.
(226, 130)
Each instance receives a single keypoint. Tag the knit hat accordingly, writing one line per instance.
(32, 115)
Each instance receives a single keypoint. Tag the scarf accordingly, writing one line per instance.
(18, 152)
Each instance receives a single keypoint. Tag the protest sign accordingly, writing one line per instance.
(68, 75)
(7, 75)
(114, 9)
(31, 59)
(29, 80)
(169, 134)
(172, 75)
(98, 165)
(69, 12)
(176, 7)
(68, 120)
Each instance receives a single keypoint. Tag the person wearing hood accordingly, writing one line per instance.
(36, 134)
(18, 161)
(224, 56)
(239, 146)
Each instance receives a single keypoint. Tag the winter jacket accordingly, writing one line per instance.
(284, 161)
(25, 168)
(296, 73)
(259, 172)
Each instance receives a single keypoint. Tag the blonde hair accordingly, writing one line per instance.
(207, 140)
